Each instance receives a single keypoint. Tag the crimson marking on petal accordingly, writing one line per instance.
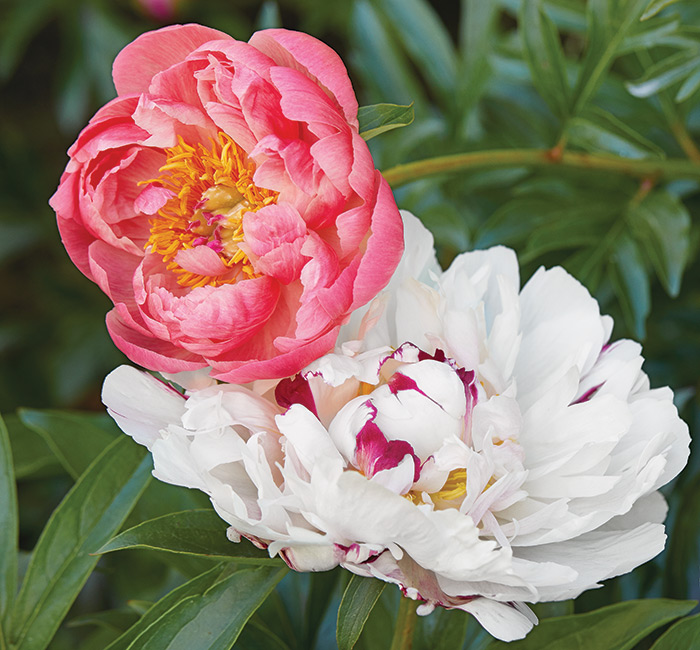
(375, 453)
(588, 394)
(295, 390)
(399, 382)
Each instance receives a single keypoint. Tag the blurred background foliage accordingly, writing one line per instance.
(603, 77)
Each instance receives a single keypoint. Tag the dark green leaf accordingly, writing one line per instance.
(689, 86)
(32, 456)
(321, 589)
(444, 629)
(214, 618)
(61, 562)
(662, 225)
(617, 627)
(684, 634)
(427, 41)
(545, 57)
(599, 131)
(651, 33)
(359, 598)
(193, 588)
(385, 68)
(74, 437)
(631, 283)
(257, 637)
(655, 6)
(665, 73)
(193, 532)
(477, 40)
(113, 619)
(9, 528)
(609, 23)
(378, 118)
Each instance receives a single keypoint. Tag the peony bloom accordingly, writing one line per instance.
(227, 204)
(480, 445)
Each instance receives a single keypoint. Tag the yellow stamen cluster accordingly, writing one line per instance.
(212, 189)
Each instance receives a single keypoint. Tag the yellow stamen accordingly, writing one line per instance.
(212, 190)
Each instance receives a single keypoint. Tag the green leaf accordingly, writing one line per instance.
(427, 41)
(321, 590)
(609, 22)
(661, 224)
(655, 6)
(617, 627)
(545, 57)
(599, 131)
(211, 619)
(192, 588)
(477, 40)
(684, 634)
(32, 456)
(630, 281)
(689, 86)
(75, 438)
(111, 619)
(193, 532)
(359, 598)
(379, 118)
(90, 514)
(665, 73)
(9, 529)
(446, 629)
(649, 34)
(385, 69)
(257, 637)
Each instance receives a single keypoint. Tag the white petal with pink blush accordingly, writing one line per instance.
(479, 445)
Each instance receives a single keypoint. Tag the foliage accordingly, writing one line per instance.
(571, 131)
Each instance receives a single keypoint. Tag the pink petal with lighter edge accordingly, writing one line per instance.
(152, 199)
(201, 260)
(152, 52)
(313, 58)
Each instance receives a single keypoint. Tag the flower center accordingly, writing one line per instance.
(212, 189)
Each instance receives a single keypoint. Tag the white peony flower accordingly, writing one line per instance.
(479, 445)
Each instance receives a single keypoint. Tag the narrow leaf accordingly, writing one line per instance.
(617, 627)
(379, 118)
(545, 57)
(257, 637)
(684, 634)
(689, 86)
(359, 598)
(665, 73)
(31, 455)
(662, 225)
(609, 23)
(599, 131)
(74, 437)
(321, 590)
(427, 41)
(193, 532)
(630, 281)
(90, 514)
(9, 528)
(214, 618)
(655, 6)
(385, 69)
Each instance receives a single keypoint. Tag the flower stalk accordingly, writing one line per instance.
(501, 158)
(405, 625)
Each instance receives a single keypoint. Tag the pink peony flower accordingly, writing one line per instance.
(227, 204)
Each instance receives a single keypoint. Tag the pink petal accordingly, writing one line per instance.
(201, 260)
(154, 51)
(152, 199)
(315, 59)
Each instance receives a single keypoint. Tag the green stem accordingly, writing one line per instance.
(405, 624)
(653, 168)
